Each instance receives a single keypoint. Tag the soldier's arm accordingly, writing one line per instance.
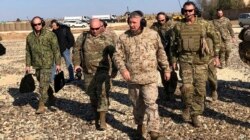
(230, 29)
(77, 50)
(55, 48)
(119, 56)
(28, 57)
(161, 55)
(174, 45)
(215, 37)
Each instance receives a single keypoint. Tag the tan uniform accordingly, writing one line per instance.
(140, 54)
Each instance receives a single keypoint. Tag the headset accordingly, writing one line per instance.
(196, 9)
(42, 21)
(162, 13)
(143, 22)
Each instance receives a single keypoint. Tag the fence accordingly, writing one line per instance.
(15, 26)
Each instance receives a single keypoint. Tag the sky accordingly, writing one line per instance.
(10, 10)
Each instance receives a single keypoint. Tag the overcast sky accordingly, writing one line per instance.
(26, 9)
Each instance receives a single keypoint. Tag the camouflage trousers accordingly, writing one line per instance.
(225, 51)
(43, 76)
(212, 76)
(193, 90)
(97, 86)
(144, 98)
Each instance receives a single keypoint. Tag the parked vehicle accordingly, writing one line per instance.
(77, 18)
(73, 23)
(107, 18)
(244, 19)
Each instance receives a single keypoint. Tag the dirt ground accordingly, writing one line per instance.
(228, 118)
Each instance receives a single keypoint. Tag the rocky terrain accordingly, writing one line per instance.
(228, 118)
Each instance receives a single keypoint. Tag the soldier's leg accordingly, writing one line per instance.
(227, 52)
(200, 78)
(90, 89)
(150, 95)
(212, 80)
(44, 77)
(222, 55)
(187, 89)
(135, 95)
(103, 88)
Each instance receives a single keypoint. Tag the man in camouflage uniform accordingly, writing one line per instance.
(164, 28)
(192, 53)
(42, 51)
(93, 50)
(223, 25)
(138, 52)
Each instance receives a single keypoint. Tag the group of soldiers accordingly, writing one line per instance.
(196, 45)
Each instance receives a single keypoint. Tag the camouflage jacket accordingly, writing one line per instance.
(224, 26)
(140, 55)
(94, 53)
(164, 31)
(194, 56)
(42, 51)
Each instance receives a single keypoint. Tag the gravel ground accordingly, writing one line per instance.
(227, 118)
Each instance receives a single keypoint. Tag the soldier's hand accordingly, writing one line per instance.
(216, 61)
(27, 70)
(174, 65)
(167, 75)
(126, 75)
(77, 67)
(58, 68)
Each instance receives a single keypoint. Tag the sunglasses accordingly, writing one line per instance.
(37, 24)
(162, 20)
(94, 28)
(191, 10)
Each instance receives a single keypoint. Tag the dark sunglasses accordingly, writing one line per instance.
(162, 20)
(191, 10)
(95, 28)
(36, 24)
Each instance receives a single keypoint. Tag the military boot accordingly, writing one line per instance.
(141, 129)
(214, 95)
(186, 114)
(103, 125)
(155, 135)
(195, 121)
(41, 108)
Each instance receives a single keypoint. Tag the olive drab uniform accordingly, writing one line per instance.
(244, 46)
(41, 53)
(139, 54)
(94, 55)
(165, 32)
(224, 26)
(192, 52)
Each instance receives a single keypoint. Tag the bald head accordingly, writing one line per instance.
(95, 26)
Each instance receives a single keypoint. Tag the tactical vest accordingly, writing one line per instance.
(191, 37)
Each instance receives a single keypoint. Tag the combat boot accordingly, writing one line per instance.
(141, 129)
(214, 95)
(103, 125)
(41, 108)
(195, 120)
(155, 136)
(186, 114)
